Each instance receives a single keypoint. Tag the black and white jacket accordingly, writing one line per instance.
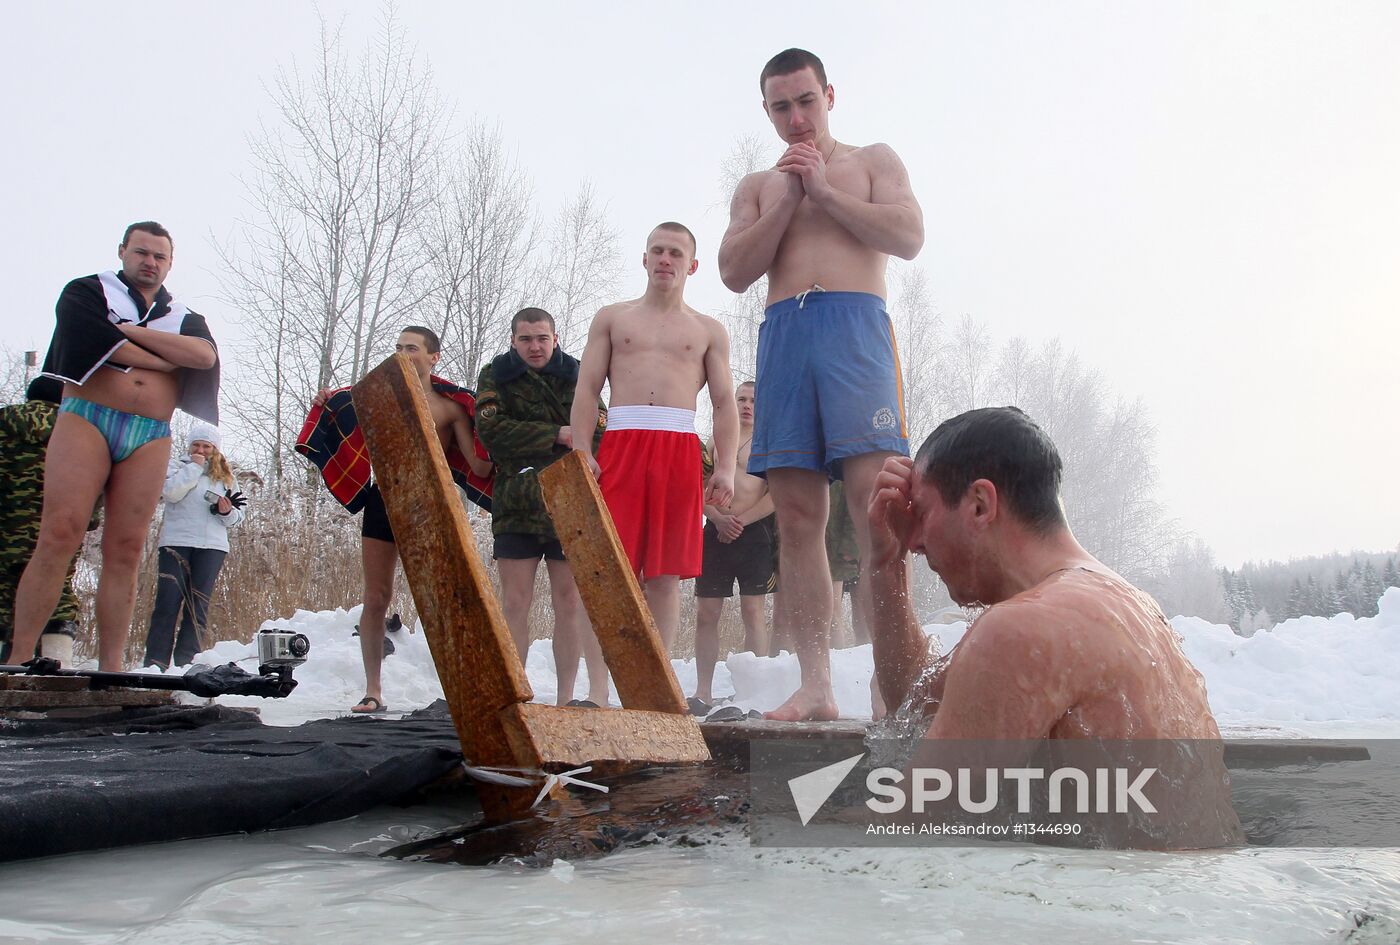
(86, 336)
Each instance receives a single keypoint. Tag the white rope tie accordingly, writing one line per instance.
(512, 777)
(567, 778)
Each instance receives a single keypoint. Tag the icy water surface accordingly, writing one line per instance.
(324, 884)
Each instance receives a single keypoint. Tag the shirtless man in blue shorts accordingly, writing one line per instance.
(821, 225)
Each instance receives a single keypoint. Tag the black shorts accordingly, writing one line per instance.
(748, 559)
(521, 546)
(375, 523)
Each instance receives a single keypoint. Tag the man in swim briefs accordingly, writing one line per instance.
(656, 353)
(738, 546)
(821, 225)
(127, 354)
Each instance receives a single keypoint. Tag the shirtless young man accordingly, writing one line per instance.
(656, 353)
(378, 553)
(127, 354)
(1066, 647)
(738, 546)
(821, 224)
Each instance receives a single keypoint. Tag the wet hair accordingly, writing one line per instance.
(530, 315)
(786, 63)
(1006, 447)
(147, 226)
(430, 338)
(675, 227)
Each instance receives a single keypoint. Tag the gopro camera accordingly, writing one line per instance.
(280, 650)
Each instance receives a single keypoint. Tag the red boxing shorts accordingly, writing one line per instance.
(653, 486)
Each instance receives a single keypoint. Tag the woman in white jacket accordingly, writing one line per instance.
(201, 505)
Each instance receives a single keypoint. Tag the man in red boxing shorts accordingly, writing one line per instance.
(656, 353)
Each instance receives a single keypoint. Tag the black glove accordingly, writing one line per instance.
(237, 499)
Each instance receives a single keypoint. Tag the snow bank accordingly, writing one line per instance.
(1310, 669)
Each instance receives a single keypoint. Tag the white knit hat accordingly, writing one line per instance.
(206, 432)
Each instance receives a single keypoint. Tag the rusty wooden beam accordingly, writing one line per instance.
(575, 736)
(641, 668)
(467, 633)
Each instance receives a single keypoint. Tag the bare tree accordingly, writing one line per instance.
(917, 333)
(965, 365)
(15, 373)
(745, 313)
(330, 257)
(482, 233)
(582, 267)
(1190, 583)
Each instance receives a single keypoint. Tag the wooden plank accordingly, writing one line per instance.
(43, 683)
(35, 699)
(577, 736)
(640, 666)
(467, 633)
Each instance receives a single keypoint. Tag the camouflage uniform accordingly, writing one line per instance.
(842, 552)
(518, 415)
(24, 439)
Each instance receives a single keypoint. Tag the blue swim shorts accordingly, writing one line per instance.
(828, 383)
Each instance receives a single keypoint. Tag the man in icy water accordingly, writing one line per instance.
(821, 224)
(1066, 648)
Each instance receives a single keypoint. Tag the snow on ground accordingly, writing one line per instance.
(1311, 675)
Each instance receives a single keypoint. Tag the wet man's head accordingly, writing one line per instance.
(1008, 449)
(532, 336)
(743, 397)
(981, 479)
(146, 253)
(796, 96)
(421, 346)
(670, 255)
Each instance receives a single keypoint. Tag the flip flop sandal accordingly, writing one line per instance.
(369, 706)
(698, 707)
(581, 704)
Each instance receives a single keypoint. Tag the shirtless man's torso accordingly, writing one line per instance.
(656, 353)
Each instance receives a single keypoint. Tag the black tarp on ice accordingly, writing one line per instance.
(174, 775)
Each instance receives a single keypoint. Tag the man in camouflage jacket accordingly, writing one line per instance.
(523, 399)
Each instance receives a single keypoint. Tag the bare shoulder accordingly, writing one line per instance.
(608, 313)
(879, 158)
(750, 184)
(715, 332)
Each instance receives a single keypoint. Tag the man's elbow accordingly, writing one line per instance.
(734, 278)
(204, 358)
(910, 246)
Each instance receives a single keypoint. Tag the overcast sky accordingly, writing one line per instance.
(1201, 199)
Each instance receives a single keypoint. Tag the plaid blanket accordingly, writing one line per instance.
(331, 439)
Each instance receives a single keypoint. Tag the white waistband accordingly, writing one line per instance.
(643, 417)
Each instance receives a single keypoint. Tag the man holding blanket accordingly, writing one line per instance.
(332, 439)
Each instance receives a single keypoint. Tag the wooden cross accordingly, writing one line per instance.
(482, 676)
